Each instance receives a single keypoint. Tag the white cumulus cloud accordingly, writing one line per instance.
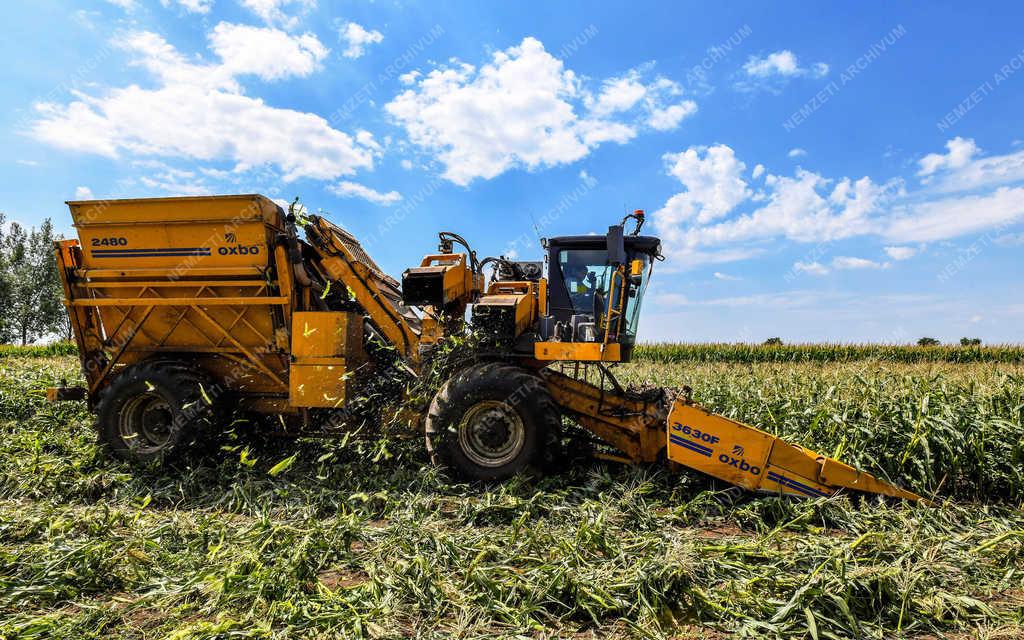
(268, 53)
(963, 168)
(177, 182)
(782, 63)
(618, 94)
(83, 193)
(127, 5)
(277, 12)
(706, 223)
(813, 268)
(192, 6)
(713, 182)
(779, 63)
(774, 70)
(952, 216)
(357, 38)
(348, 189)
(718, 217)
(850, 262)
(669, 117)
(901, 253)
(199, 110)
(525, 109)
(959, 153)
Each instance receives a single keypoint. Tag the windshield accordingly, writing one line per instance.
(587, 275)
(584, 272)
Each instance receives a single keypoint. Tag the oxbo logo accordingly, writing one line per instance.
(239, 250)
(740, 464)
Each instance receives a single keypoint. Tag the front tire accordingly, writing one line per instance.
(152, 411)
(491, 421)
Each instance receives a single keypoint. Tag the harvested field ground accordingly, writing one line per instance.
(363, 539)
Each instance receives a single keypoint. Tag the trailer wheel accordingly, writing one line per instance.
(153, 411)
(491, 421)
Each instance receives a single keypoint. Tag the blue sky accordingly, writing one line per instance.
(816, 172)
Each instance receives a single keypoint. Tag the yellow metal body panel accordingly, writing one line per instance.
(460, 284)
(326, 334)
(319, 385)
(581, 351)
(756, 460)
(430, 330)
(456, 286)
(708, 443)
(160, 211)
(642, 427)
(175, 233)
(520, 296)
(326, 348)
(632, 425)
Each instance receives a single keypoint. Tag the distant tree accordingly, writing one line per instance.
(33, 306)
(776, 341)
(927, 342)
(6, 333)
(970, 342)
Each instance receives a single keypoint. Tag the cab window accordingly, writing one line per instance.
(584, 272)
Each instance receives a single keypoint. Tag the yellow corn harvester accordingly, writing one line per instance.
(181, 306)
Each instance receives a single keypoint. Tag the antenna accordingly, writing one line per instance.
(536, 229)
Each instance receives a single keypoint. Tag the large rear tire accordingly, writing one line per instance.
(491, 421)
(152, 411)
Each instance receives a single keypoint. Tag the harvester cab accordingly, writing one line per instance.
(581, 304)
(595, 289)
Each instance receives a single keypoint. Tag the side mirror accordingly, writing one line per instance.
(616, 245)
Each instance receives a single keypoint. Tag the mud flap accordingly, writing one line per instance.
(753, 459)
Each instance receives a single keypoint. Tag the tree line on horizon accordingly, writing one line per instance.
(922, 342)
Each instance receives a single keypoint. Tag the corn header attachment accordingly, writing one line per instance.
(183, 306)
(753, 459)
(653, 425)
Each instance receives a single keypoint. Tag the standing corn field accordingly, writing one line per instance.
(793, 353)
(348, 538)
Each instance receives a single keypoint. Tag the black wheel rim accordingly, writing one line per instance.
(146, 423)
(491, 433)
